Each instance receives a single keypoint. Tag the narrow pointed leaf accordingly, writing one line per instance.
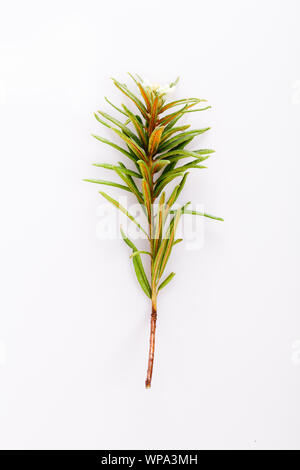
(202, 214)
(181, 185)
(173, 197)
(170, 242)
(167, 135)
(130, 183)
(145, 96)
(138, 126)
(166, 281)
(196, 110)
(144, 170)
(172, 84)
(118, 123)
(154, 111)
(130, 95)
(180, 102)
(147, 198)
(122, 209)
(165, 249)
(120, 149)
(182, 169)
(180, 138)
(108, 183)
(140, 252)
(137, 150)
(114, 106)
(108, 166)
(159, 187)
(154, 140)
(173, 154)
(138, 267)
(159, 165)
(174, 117)
(159, 224)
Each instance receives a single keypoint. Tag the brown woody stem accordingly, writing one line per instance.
(151, 127)
(152, 342)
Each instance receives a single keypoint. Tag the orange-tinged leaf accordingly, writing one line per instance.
(155, 140)
(169, 246)
(173, 131)
(138, 126)
(144, 170)
(159, 223)
(173, 197)
(157, 261)
(159, 165)
(145, 96)
(130, 95)
(166, 119)
(147, 198)
(133, 145)
(178, 102)
(153, 115)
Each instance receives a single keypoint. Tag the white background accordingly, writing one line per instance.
(74, 323)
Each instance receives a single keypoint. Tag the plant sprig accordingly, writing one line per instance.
(156, 146)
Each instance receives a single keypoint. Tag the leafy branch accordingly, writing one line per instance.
(156, 146)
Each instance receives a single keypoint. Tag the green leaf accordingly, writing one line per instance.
(122, 209)
(159, 165)
(131, 139)
(112, 144)
(137, 150)
(139, 77)
(165, 249)
(179, 154)
(133, 78)
(159, 187)
(138, 126)
(171, 119)
(195, 110)
(154, 140)
(170, 241)
(180, 138)
(144, 170)
(159, 223)
(147, 198)
(153, 114)
(140, 252)
(175, 82)
(108, 166)
(181, 185)
(183, 144)
(168, 134)
(185, 101)
(138, 266)
(204, 151)
(108, 183)
(116, 107)
(118, 123)
(166, 281)
(168, 168)
(130, 183)
(130, 95)
(173, 197)
(182, 169)
(179, 240)
(145, 95)
(203, 214)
